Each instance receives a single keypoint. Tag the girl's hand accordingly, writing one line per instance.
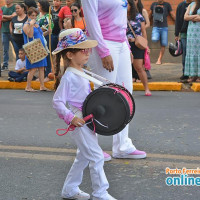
(78, 122)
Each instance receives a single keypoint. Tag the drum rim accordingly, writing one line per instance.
(130, 95)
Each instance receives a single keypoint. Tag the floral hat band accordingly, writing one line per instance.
(73, 38)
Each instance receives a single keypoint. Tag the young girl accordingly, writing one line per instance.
(73, 89)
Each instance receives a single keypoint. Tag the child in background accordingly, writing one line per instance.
(20, 73)
(73, 89)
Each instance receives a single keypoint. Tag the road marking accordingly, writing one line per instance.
(126, 162)
(63, 150)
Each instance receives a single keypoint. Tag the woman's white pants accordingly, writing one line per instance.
(121, 75)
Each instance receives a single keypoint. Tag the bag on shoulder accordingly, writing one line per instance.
(140, 41)
(158, 13)
(35, 51)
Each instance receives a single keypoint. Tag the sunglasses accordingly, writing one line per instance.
(86, 51)
(74, 10)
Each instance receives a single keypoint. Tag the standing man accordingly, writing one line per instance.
(56, 29)
(181, 30)
(8, 14)
(159, 11)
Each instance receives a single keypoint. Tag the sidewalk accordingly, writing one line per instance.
(165, 77)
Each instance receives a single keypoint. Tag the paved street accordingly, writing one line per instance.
(34, 161)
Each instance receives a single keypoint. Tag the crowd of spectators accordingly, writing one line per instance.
(187, 25)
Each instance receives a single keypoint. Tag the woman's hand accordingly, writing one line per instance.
(196, 18)
(108, 63)
(132, 58)
(78, 122)
(148, 50)
(32, 22)
(131, 39)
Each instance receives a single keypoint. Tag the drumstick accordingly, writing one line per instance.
(96, 76)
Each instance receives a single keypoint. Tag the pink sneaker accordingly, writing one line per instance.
(107, 157)
(137, 154)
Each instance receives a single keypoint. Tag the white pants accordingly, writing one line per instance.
(88, 153)
(121, 75)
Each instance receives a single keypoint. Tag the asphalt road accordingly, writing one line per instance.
(34, 161)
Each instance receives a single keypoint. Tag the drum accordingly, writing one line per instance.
(112, 107)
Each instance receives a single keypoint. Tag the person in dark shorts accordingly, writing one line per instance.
(137, 22)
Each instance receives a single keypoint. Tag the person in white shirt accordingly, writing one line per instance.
(20, 73)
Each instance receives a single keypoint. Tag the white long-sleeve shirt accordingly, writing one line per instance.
(106, 20)
(73, 90)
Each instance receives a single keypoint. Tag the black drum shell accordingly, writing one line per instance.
(110, 108)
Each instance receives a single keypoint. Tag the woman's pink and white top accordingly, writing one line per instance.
(106, 20)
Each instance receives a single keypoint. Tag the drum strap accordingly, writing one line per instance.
(84, 75)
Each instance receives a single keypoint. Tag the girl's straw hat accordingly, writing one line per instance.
(75, 39)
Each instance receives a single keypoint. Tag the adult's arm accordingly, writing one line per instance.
(61, 18)
(69, 24)
(11, 27)
(143, 30)
(196, 19)
(8, 17)
(172, 15)
(60, 23)
(90, 9)
(146, 17)
(187, 16)
(151, 12)
(177, 23)
(29, 28)
(171, 12)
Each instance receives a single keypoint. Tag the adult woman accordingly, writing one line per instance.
(107, 23)
(144, 13)
(192, 60)
(32, 29)
(77, 20)
(16, 25)
(44, 20)
(136, 20)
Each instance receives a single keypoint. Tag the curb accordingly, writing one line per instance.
(153, 86)
(17, 86)
(159, 86)
(196, 87)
